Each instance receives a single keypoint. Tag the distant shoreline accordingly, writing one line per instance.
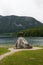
(7, 45)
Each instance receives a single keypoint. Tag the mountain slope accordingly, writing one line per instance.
(16, 23)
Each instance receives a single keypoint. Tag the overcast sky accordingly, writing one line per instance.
(33, 8)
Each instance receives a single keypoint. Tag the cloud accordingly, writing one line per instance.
(17, 7)
(32, 8)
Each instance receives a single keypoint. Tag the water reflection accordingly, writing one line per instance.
(31, 40)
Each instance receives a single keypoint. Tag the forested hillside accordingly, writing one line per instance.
(13, 23)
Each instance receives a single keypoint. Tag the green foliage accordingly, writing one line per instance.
(34, 32)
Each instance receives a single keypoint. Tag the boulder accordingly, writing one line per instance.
(22, 43)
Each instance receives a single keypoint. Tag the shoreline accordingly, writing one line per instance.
(13, 45)
(7, 45)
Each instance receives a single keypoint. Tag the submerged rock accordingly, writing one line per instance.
(22, 43)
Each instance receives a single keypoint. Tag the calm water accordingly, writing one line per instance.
(31, 40)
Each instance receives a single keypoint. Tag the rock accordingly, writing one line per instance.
(22, 43)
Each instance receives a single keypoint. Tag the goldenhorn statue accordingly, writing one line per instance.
(22, 43)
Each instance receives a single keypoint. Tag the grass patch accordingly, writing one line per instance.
(24, 58)
(3, 50)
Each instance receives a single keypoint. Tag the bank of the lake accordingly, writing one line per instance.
(11, 41)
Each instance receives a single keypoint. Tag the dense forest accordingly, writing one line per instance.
(13, 25)
(33, 32)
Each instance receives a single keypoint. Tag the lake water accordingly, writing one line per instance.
(12, 40)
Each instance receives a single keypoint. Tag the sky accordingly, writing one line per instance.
(32, 8)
